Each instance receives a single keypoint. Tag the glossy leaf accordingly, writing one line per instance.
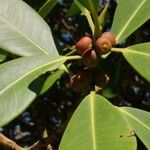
(129, 16)
(139, 57)
(23, 31)
(47, 7)
(97, 125)
(16, 77)
(140, 122)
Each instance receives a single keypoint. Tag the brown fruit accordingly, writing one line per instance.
(89, 58)
(85, 76)
(80, 81)
(74, 81)
(83, 44)
(101, 80)
(103, 45)
(110, 36)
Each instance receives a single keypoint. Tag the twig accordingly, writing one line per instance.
(7, 143)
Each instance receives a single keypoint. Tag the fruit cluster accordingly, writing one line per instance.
(91, 51)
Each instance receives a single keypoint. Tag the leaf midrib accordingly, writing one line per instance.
(135, 52)
(131, 116)
(130, 19)
(23, 34)
(28, 73)
(92, 100)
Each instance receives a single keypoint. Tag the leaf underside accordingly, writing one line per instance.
(17, 88)
(22, 31)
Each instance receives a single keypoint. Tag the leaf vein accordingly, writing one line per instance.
(24, 35)
(92, 101)
(144, 125)
(130, 19)
(13, 83)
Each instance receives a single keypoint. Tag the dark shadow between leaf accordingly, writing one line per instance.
(37, 84)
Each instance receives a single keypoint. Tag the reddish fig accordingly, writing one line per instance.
(89, 58)
(110, 36)
(83, 44)
(74, 81)
(103, 45)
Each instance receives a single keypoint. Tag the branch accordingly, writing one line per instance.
(7, 143)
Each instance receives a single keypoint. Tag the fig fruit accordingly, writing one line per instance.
(83, 44)
(110, 36)
(89, 58)
(74, 81)
(103, 45)
(81, 80)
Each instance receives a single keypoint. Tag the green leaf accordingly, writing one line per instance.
(97, 125)
(139, 57)
(91, 5)
(47, 7)
(109, 92)
(3, 55)
(51, 80)
(103, 15)
(16, 77)
(23, 31)
(129, 16)
(115, 81)
(140, 122)
(73, 10)
(87, 15)
(88, 7)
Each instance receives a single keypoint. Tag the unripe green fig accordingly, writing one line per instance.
(89, 58)
(83, 44)
(110, 36)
